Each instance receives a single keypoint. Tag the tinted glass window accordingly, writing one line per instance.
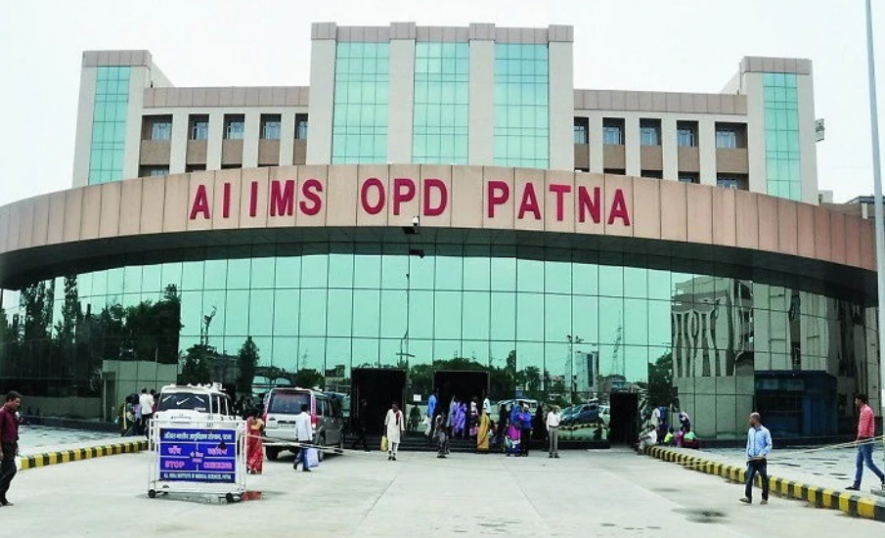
(288, 403)
(184, 400)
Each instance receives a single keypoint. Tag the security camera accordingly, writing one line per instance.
(416, 221)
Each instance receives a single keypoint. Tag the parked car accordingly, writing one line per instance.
(186, 403)
(281, 406)
(587, 413)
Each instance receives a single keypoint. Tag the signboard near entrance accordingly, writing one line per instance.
(198, 455)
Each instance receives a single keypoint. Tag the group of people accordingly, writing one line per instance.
(255, 439)
(136, 413)
(658, 431)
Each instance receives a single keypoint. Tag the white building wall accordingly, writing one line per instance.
(178, 142)
(562, 106)
(83, 140)
(481, 127)
(707, 148)
(251, 134)
(752, 86)
(216, 135)
(632, 141)
(322, 92)
(402, 99)
(287, 138)
(669, 147)
(807, 139)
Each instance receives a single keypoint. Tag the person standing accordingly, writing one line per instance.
(483, 433)
(146, 403)
(304, 436)
(552, 424)
(431, 405)
(487, 405)
(8, 443)
(361, 417)
(866, 431)
(525, 435)
(758, 448)
(254, 442)
(394, 428)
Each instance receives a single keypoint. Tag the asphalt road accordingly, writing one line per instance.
(601, 493)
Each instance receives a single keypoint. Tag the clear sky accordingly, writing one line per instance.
(664, 45)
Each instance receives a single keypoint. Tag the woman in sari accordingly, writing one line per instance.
(254, 443)
(483, 433)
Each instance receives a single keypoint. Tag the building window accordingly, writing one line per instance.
(689, 177)
(157, 128)
(234, 126)
(109, 124)
(301, 126)
(613, 132)
(615, 171)
(522, 105)
(782, 147)
(650, 132)
(726, 138)
(195, 168)
(361, 103)
(582, 126)
(198, 128)
(270, 126)
(153, 171)
(733, 181)
(231, 166)
(652, 174)
(440, 113)
(687, 134)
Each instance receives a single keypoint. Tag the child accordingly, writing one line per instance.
(668, 439)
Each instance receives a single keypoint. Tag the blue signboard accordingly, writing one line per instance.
(197, 455)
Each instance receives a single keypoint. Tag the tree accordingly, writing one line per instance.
(197, 368)
(308, 378)
(247, 361)
(660, 381)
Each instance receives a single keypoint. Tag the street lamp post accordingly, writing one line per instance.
(572, 340)
(877, 199)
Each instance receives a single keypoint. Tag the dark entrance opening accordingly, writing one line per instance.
(379, 387)
(624, 424)
(463, 384)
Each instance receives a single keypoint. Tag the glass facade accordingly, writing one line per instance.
(109, 124)
(361, 101)
(442, 73)
(554, 325)
(782, 155)
(522, 108)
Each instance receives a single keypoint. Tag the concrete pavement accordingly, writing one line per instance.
(600, 493)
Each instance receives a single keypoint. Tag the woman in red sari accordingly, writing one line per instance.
(254, 443)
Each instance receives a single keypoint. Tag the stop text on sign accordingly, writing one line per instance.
(286, 197)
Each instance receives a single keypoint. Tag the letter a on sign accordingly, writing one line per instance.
(201, 203)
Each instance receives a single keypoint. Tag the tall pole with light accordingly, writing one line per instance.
(877, 200)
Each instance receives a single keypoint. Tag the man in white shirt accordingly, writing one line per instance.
(553, 431)
(146, 404)
(487, 406)
(304, 435)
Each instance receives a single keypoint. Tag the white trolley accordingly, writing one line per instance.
(198, 458)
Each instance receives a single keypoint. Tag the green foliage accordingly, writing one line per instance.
(247, 361)
(196, 366)
(308, 378)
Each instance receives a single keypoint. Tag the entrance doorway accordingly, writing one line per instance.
(461, 384)
(379, 387)
(624, 424)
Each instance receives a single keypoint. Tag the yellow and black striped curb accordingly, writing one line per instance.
(77, 454)
(854, 505)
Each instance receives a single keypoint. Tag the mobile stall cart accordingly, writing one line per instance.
(205, 458)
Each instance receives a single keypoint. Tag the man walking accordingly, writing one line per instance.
(304, 436)
(146, 403)
(8, 443)
(431, 415)
(866, 430)
(758, 449)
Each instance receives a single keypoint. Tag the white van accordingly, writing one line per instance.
(282, 404)
(184, 403)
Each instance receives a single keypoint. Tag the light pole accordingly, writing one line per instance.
(877, 199)
(572, 340)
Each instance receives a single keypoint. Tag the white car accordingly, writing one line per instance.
(189, 403)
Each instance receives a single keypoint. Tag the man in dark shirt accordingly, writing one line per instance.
(8, 443)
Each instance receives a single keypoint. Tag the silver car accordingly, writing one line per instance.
(280, 407)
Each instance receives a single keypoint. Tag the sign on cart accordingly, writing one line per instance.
(198, 455)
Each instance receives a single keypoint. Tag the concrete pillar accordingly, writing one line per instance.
(481, 127)
(139, 79)
(594, 137)
(402, 99)
(807, 139)
(752, 84)
(213, 144)
(287, 138)
(251, 134)
(632, 140)
(83, 140)
(707, 149)
(561, 105)
(178, 142)
(670, 148)
(322, 91)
